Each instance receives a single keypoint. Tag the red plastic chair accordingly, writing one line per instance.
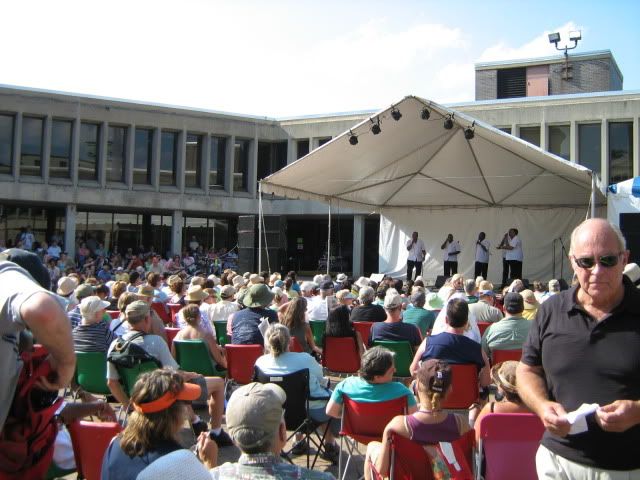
(499, 356)
(240, 361)
(174, 308)
(90, 440)
(340, 355)
(364, 328)
(464, 389)
(114, 314)
(364, 422)
(162, 312)
(508, 442)
(482, 326)
(171, 334)
(294, 345)
(39, 350)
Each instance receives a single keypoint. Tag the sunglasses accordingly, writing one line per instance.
(606, 261)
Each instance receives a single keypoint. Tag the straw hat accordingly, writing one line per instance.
(195, 294)
(66, 286)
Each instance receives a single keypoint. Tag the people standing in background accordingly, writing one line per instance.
(505, 266)
(417, 253)
(482, 256)
(514, 255)
(451, 249)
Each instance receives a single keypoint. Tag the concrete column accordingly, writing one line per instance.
(636, 147)
(176, 232)
(313, 144)
(131, 151)
(102, 154)
(17, 146)
(358, 246)
(604, 153)
(70, 230)
(182, 153)
(155, 159)
(544, 137)
(206, 161)
(75, 150)
(573, 141)
(229, 161)
(291, 150)
(46, 148)
(252, 168)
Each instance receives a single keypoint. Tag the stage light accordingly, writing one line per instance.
(448, 122)
(469, 132)
(395, 113)
(425, 113)
(375, 127)
(353, 139)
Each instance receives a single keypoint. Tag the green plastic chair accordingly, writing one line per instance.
(128, 376)
(91, 372)
(194, 356)
(318, 328)
(403, 355)
(221, 332)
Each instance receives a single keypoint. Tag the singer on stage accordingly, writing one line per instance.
(417, 252)
(482, 256)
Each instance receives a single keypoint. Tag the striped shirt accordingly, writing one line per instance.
(93, 338)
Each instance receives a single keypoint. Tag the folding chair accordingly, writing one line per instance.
(363, 328)
(482, 326)
(318, 327)
(114, 314)
(129, 376)
(90, 441)
(364, 422)
(174, 308)
(194, 356)
(340, 355)
(464, 388)
(508, 444)
(91, 372)
(408, 461)
(220, 327)
(499, 356)
(403, 355)
(171, 334)
(294, 345)
(240, 362)
(296, 407)
(162, 312)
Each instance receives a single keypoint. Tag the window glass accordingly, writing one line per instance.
(531, 135)
(302, 148)
(142, 156)
(89, 151)
(192, 167)
(116, 154)
(31, 153)
(168, 158)
(620, 151)
(589, 146)
(241, 165)
(6, 143)
(60, 159)
(217, 163)
(559, 140)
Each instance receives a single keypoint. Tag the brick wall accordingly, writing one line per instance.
(587, 76)
(486, 84)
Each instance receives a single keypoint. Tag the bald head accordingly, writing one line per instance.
(594, 230)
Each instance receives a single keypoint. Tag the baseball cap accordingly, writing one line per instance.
(227, 291)
(91, 305)
(138, 308)
(392, 301)
(490, 293)
(254, 413)
(435, 375)
(326, 285)
(83, 291)
(513, 302)
(308, 286)
(341, 277)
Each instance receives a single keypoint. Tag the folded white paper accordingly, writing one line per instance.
(577, 418)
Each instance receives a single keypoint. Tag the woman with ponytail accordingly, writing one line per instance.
(428, 426)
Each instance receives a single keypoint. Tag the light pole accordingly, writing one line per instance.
(575, 37)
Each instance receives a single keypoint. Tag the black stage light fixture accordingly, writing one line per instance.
(448, 122)
(375, 127)
(395, 114)
(353, 139)
(469, 132)
(425, 113)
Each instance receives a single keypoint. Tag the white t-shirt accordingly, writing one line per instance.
(516, 252)
(415, 254)
(482, 256)
(452, 247)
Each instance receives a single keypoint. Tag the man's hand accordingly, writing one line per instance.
(619, 415)
(553, 418)
(59, 378)
(207, 450)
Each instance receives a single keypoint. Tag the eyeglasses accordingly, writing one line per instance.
(606, 261)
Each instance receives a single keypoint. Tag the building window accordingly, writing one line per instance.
(589, 146)
(559, 140)
(505, 129)
(117, 154)
(193, 161)
(620, 151)
(241, 165)
(512, 83)
(302, 148)
(217, 163)
(31, 153)
(89, 151)
(168, 158)
(531, 135)
(271, 158)
(6, 144)
(60, 159)
(143, 154)
(322, 141)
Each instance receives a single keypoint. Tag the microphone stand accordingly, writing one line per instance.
(564, 251)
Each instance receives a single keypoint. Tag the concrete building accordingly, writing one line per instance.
(78, 168)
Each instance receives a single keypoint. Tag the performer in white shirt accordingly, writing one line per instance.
(514, 255)
(417, 252)
(482, 256)
(451, 249)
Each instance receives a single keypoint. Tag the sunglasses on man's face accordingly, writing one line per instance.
(606, 261)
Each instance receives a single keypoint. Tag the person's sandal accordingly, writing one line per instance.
(300, 448)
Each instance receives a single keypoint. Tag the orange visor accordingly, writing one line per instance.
(190, 392)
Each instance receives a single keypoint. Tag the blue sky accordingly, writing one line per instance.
(287, 58)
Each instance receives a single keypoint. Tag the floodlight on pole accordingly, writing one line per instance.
(574, 37)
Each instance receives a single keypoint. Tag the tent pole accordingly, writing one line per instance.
(329, 241)
(259, 228)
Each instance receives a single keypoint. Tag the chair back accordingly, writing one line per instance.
(294, 345)
(171, 333)
(482, 326)
(194, 356)
(340, 355)
(403, 355)
(409, 460)
(363, 328)
(509, 442)
(296, 386)
(162, 312)
(220, 327)
(318, 328)
(91, 372)
(365, 421)
(174, 308)
(464, 388)
(241, 360)
(114, 314)
(128, 376)
(499, 356)
(90, 441)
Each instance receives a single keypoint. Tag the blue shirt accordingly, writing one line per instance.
(420, 317)
(455, 349)
(244, 326)
(360, 390)
(117, 465)
(396, 332)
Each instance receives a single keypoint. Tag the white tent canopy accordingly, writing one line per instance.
(421, 176)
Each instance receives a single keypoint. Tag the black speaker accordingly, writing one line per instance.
(246, 260)
(440, 279)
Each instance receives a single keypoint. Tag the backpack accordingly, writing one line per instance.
(30, 430)
(127, 354)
